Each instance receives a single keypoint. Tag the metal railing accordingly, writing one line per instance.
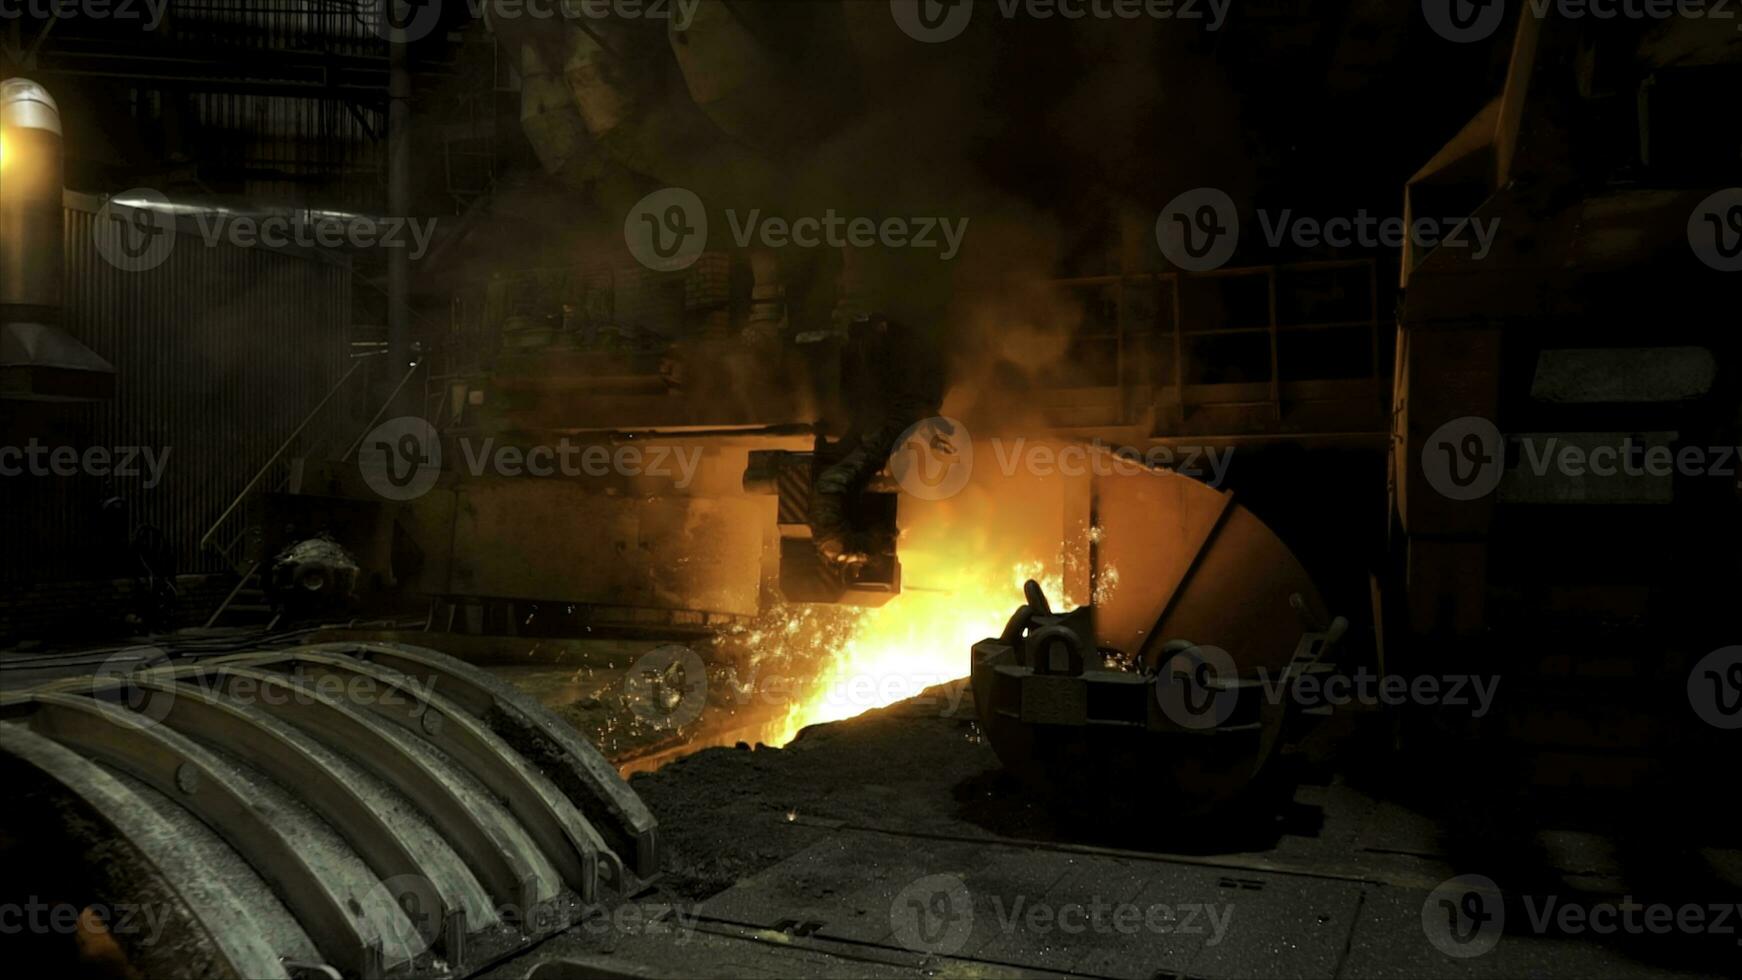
(1152, 362)
(227, 549)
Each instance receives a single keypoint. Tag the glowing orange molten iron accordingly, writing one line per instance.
(1175, 568)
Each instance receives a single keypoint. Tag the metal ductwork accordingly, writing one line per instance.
(38, 360)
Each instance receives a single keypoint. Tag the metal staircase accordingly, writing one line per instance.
(248, 604)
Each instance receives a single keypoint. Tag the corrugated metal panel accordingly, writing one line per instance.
(220, 353)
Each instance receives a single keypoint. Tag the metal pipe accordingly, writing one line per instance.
(398, 198)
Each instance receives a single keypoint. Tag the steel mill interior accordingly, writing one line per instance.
(1139, 489)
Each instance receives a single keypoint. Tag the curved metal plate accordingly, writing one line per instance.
(573, 763)
(565, 836)
(293, 759)
(352, 928)
(233, 935)
(498, 851)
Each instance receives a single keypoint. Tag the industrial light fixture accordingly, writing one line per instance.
(39, 361)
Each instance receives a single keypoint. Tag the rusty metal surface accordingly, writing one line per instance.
(682, 552)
